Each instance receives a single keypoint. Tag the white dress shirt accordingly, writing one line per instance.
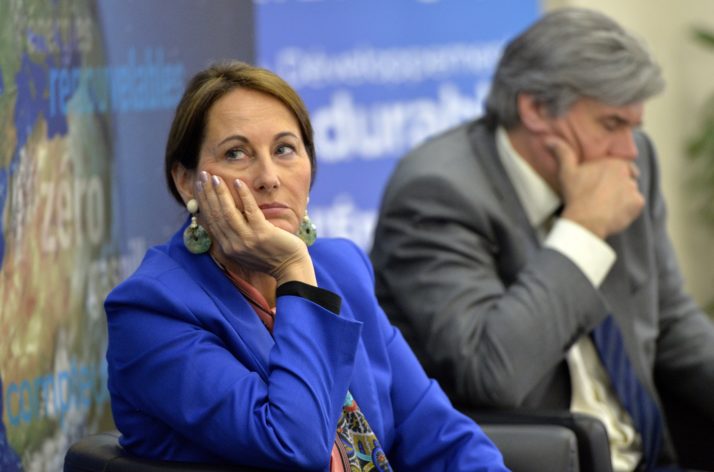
(592, 392)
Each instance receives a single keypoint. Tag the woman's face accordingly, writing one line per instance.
(254, 137)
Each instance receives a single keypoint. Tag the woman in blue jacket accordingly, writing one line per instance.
(235, 342)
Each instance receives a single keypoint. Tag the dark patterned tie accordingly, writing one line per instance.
(633, 395)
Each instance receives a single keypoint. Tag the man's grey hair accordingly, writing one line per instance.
(572, 53)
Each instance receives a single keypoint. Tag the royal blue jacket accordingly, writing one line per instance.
(195, 376)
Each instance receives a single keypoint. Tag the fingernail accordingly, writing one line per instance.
(238, 183)
(203, 175)
(216, 181)
(199, 186)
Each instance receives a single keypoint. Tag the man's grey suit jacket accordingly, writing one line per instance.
(492, 314)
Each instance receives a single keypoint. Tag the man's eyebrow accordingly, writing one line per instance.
(621, 121)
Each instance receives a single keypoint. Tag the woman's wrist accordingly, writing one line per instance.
(298, 270)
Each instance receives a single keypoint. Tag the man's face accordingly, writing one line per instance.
(598, 131)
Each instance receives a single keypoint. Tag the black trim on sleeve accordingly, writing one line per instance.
(326, 299)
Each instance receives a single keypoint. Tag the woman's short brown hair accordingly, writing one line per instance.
(205, 88)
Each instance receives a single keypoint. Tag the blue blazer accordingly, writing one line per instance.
(195, 376)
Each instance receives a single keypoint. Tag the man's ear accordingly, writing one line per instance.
(184, 180)
(534, 115)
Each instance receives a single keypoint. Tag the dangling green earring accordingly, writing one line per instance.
(307, 230)
(195, 238)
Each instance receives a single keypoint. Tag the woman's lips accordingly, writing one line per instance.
(273, 210)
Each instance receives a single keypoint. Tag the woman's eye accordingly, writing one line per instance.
(235, 153)
(284, 150)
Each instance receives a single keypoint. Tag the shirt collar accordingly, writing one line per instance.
(537, 198)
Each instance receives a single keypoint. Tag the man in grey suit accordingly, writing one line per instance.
(505, 245)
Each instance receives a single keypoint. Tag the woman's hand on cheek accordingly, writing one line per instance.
(246, 239)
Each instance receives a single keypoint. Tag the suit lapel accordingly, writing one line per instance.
(615, 289)
(620, 291)
(483, 143)
(255, 342)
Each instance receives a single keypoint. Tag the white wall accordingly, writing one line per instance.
(672, 117)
